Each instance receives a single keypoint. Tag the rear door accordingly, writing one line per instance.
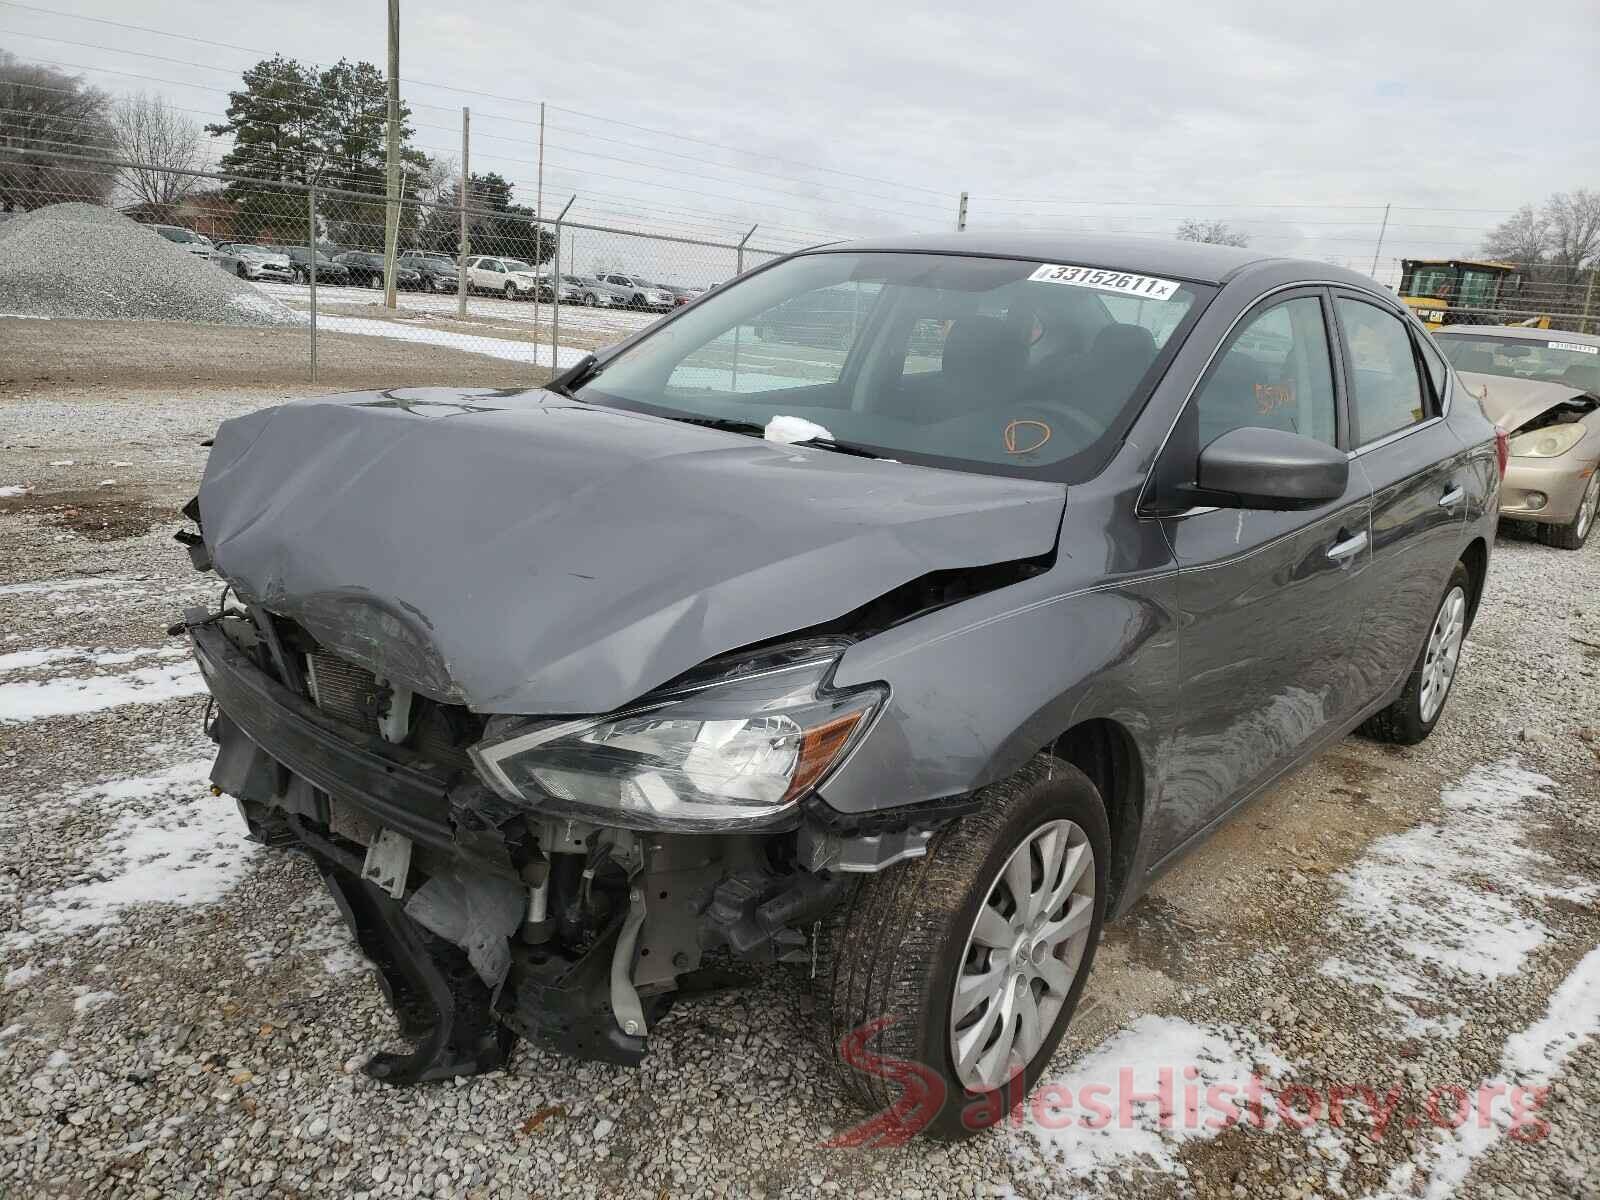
(1270, 602)
(1417, 469)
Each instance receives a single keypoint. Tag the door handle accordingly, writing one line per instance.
(1340, 551)
(1453, 497)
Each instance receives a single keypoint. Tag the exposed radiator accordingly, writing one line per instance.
(345, 691)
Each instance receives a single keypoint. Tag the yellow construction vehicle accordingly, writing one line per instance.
(1462, 291)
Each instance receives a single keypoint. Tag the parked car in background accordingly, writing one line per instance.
(1071, 549)
(194, 243)
(639, 294)
(681, 295)
(438, 272)
(595, 293)
(328, 271)
(510, 277)
(366, 270)
(1543, 387)
(254, 262)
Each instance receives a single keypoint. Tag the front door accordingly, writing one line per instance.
(1417, 469)
(1269, 601)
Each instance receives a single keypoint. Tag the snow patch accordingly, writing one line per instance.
(10, 491)
(1531, 1059)
(1134, 1066)
(88, 1001)
(1443, 897)
(188, 848)
(67, 695)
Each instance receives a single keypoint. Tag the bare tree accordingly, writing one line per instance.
(1574, 231)
(1217, 233)
(150, 131)
(44, 114)
(1522, 238)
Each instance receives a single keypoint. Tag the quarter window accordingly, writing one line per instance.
(1276, 374)
(1386, 394)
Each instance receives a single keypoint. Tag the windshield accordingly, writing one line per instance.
(1551, 360)
(1479, 288)
(515, 264)
(1000, 365)
(1434, 281)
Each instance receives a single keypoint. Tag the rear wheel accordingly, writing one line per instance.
(1412, 716)
(975, 956)
(589, 301)
(1575, 533)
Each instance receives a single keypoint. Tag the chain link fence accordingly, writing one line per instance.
(491, 281)
(482, 292)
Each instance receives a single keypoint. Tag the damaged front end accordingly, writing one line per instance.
(563, 881)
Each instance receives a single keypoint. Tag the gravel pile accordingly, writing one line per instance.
(82, 262)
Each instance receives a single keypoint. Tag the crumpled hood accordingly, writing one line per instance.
(517, 551)
(1512, 403)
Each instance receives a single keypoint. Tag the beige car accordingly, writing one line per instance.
(1541, 386)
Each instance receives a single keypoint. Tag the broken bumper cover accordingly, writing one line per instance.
(589, 979)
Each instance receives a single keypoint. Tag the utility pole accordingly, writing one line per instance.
(311, 267)
(961, 214)
(538, 239)
(1588, 298)
(555, 294)
(391, 230)
(1382, 229)
(465, 245)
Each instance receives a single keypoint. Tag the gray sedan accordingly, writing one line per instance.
(910, 651)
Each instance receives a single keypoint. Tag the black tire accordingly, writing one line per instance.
(1575, 533)
(589, 301)
(1403, 722)
(896, 947)
(511, 291)
(241, 272)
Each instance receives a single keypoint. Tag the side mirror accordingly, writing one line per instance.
(1271, 469)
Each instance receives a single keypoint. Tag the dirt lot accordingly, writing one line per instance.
(50, 356)
(182, 1013)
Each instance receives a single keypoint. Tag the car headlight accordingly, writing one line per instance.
(1549, 442)
(736, 747)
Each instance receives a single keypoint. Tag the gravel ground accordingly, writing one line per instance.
(182, 1014)
(84, 261)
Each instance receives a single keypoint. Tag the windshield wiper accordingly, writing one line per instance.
(726, 424)
(575, 376)
(839, 447)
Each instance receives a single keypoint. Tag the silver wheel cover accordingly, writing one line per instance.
(1022, 955)
(1443, 652)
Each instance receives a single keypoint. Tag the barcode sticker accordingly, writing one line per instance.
(1146, 287)
(1578, 346)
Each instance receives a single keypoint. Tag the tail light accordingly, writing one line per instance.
(1502, 449)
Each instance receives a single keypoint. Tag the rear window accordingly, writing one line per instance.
(1000, 365)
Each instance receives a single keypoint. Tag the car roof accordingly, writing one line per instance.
(1200, 262)
(1520, 331)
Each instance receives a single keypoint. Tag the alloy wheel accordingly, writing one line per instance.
(1022, 955)
(1588, 505)
(1443, 653)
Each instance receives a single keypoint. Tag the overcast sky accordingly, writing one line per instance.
(1126, 116)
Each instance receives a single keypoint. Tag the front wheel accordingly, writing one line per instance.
(589, 301)
(1414, 713)
(1575, 533)
(241, 272)
(511, 291)
(956, 974)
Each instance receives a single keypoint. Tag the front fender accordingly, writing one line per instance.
(979, 688)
